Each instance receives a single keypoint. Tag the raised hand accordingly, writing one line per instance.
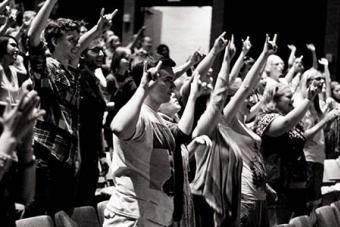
(200, 87)
(291, 47)
(324, 62)
(270, 46)
(195, 58)
(298, 66)
(105, 21)
(310, 46)
(246, 45)
(220, 43)
(19, 120)
(150, 76)
(314, 89)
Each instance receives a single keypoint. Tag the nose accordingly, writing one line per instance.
(101, 53)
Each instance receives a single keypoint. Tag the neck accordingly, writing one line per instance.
(61, 58)
(150, 103)
(121, 71)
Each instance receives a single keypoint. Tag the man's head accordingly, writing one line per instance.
(93, 56)
(147, 44)
(62, 36)
(274, 67)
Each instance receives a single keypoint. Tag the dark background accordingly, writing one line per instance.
(295, 21)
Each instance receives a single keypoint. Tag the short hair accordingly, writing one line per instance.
(57, 28)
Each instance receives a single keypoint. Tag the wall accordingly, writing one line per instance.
(184, 30)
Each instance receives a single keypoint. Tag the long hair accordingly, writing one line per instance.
(119, 53)
(305, 82)
(272, 95)
(3, 44)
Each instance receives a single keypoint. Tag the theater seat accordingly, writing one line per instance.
(301, 221)
(326, 217)
(37, 221)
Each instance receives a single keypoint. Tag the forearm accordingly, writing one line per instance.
(290, 75)
(125, 121)
(236, 68)
(39, 22)
(3, 5)
(247, 86)
(295, 116)
(310, 133)
(315, 60)
(180, 70)
(207, 62)
(186, 122)
(328, 82)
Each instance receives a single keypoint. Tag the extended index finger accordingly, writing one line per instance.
(114, 13)
(158, 66)
(275, 38)
(102, 12)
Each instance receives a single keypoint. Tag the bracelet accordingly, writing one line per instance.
(4, 159)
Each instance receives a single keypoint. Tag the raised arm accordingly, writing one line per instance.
(40, 22)
(197, 89)
(136, 38)
(3, 5)
(282, 124)
(328, 118)
(311, 47)
(324, 62)
(103, 24)
(210, 117)
(204, 66)
(125, 121)
(250, 80)
(295, 68)
(194, 59)
(291, 57)
(240, 60)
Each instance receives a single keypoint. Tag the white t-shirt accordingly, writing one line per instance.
(142, 171)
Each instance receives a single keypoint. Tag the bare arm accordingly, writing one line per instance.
(282, 124)
(324, 62)
(311, 47)
(329, 117)
(197, 88)
(239, 62)
(136, 38)
(125, 121)
(40, 22)
(3, 5)
(250, 80)
(209, 118)
(103, 24)
(291, 57)
(296, 67)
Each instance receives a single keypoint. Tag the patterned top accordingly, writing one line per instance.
(58, 88)
(283, 155)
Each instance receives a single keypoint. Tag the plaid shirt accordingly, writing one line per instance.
(58, 88)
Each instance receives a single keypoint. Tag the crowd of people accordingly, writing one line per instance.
(188, 146)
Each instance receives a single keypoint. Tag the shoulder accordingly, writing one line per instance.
(262, 121)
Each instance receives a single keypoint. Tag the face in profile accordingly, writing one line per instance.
(284, 101)
(12, 51)
(275, 66)
(164, 87)
(67, 43)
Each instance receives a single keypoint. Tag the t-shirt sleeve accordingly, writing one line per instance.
(263, 121)
(140, 129)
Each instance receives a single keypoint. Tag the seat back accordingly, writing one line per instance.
(283, 225)
(301, 221)
(336, 204)
(100, 210)
(37, 221)
(85, 216)
(62, 219)
(326, 217)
